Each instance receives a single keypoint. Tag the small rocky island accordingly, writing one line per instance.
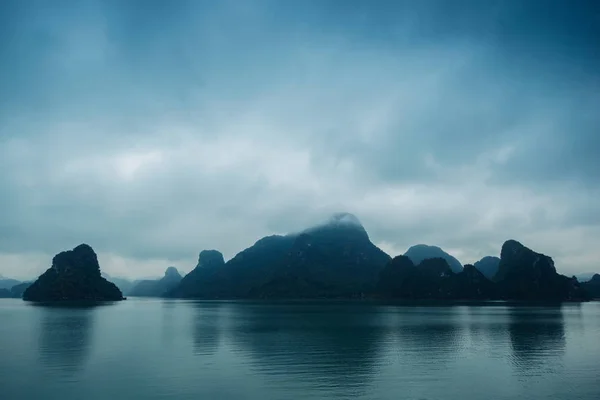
(74, 276)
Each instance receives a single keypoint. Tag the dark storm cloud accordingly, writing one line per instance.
(154, 129)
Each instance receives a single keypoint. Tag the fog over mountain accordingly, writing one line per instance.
(153, 130)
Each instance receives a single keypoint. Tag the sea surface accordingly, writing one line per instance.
(169, 349)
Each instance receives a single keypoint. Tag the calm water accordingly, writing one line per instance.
(154, 349)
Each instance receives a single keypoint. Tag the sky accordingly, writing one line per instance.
(154, 129)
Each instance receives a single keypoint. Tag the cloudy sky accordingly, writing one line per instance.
(154, 129)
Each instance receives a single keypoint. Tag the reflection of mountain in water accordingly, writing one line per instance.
(537, 337)
(207, 327)
(325, 346)
(65, 336)
(436, 332)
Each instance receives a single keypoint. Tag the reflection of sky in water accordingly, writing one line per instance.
(64, 338)
(153, 349)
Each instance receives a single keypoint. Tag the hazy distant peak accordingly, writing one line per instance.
(422, 246)
(421, 252)
(172, 272)
(488, 266)
(344, 218)
(490, 258)
(339, 220)
(585, 277)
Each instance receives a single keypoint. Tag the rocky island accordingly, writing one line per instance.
(74, 276)
(336, 259)
(524, 274)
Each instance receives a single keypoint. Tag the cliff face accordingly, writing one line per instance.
(202, 281)
(524, 274)
(74, 276)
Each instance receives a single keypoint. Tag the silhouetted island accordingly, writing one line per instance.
(337, 260)
(74, 276)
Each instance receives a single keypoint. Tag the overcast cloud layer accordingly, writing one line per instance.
(154, 129)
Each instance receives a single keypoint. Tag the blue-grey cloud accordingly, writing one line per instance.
(153, 129)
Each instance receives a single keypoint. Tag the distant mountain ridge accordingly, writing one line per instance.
(421, 252)
(7, 283)
(158, 287)
(488, 266)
